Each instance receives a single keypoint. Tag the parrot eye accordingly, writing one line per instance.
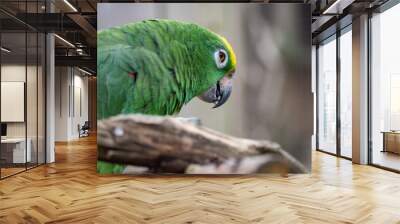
(221, 58)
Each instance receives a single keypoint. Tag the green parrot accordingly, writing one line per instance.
(157, 66)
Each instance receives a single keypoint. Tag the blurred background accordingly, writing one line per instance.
(271, 96)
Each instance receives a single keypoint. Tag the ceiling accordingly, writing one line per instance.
(75, 21)
(331, 15)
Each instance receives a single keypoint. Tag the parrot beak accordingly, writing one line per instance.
(218, 93)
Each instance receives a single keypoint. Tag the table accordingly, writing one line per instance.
(15, 148)
(391, 141)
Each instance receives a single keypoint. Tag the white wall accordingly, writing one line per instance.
(71, 102)
(80, 108)
(16, 73)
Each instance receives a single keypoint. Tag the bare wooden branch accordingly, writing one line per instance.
(156, 144)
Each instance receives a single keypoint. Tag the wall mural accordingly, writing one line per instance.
(227, 93)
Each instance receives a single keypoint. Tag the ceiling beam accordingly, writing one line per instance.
(86, 27)
(49, 22)
(79, 61)
(337, 7)
(317, 24)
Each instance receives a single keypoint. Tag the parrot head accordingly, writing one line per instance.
(220, 67)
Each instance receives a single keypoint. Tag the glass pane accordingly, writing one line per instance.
(327, 96)
(41, 98)
(23, 89)
(32, 88)
(13, 86)
(386, 89)
(31, 97)
(346, 94)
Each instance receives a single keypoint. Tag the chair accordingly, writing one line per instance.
(84, 130)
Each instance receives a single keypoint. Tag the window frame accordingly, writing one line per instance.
(334, 37)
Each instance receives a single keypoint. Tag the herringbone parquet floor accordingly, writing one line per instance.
(70, 191)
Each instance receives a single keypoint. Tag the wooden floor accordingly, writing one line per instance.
(10, 171)
(70, 191)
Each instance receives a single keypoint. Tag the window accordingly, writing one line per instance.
(334, 137)
(346, 92)
(327, 95)
(385, 89)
